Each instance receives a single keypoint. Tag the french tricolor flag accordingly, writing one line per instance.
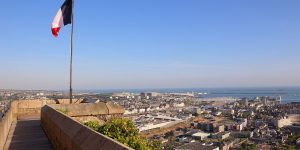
(63, 17)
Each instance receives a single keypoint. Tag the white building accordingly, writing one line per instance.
(200, 135)
(142, 110)
(179, 104)
(131, 111)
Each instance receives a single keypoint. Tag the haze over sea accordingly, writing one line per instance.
(288, 94)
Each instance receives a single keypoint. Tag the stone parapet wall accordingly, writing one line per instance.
(18, 109)
(61, 124)
(31, 107)
(5, 124)
(66, 133)
(295, 118)
(90, 109)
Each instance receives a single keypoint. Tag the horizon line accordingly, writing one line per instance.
(151, 88)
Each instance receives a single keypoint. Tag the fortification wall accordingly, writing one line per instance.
(282, 122)
(31, 108)
(291, 119)
(5, 124)
(295, 118)
(27, 108)
(19, 109)
(66, 133)
(90, 109)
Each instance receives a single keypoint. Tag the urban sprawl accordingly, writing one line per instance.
(190, 121)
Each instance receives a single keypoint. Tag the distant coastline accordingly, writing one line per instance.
(288, 94)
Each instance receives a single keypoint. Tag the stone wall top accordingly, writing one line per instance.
(89, 109)
(66, 133)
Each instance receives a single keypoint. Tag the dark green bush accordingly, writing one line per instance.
(124, 131)
(93, 124)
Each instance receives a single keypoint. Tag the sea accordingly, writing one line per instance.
(288, 94)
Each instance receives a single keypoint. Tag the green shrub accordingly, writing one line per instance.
(124, 131)
(247, 146)
(93, 124)
(155, 145)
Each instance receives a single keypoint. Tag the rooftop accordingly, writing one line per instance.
(197, 146)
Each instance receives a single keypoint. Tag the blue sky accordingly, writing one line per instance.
(152, 44)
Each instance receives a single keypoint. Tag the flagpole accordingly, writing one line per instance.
(71, 50)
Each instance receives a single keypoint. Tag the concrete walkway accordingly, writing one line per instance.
(27, 134)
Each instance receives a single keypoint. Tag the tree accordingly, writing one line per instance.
(188, 102)
(124, 131)
(291, 142)
(155, 144)
(93, 124)
(169, 134)
(245, 146)
(290, 147)
(119, 127)
(169, 146)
